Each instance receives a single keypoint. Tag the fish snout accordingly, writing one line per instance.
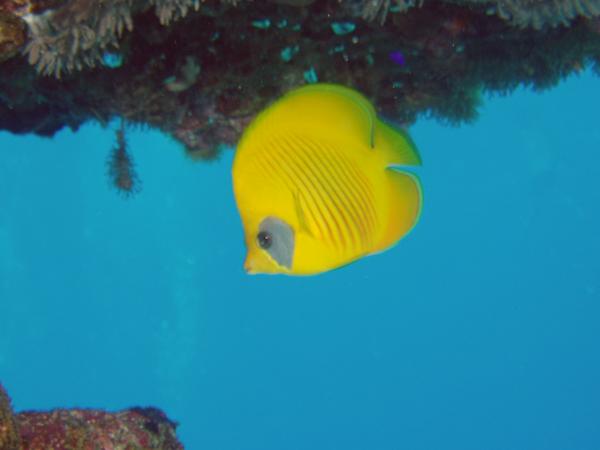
(248, 267)
(257, 263)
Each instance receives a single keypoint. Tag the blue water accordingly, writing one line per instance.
(480, 330)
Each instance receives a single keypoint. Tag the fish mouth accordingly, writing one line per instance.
(253, 264)
(260, 264)
(248, 268)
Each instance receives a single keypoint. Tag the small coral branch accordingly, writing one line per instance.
(121, 168)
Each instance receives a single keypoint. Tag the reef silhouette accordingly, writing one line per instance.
(83, 429)
(199, 71)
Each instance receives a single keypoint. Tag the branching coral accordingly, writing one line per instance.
(76, 34)
(378, 9)
(521, 13)
(540, 13)
(170, 10)
(12, 35)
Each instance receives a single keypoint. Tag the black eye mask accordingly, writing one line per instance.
(277, 238)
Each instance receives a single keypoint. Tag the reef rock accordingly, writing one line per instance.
(85, 429)
(200, 71)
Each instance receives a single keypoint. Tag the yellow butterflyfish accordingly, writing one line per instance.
(316, 182)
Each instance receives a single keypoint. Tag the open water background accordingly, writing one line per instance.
(479, 331)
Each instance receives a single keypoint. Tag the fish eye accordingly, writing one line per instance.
(276, 238)
(264, 239)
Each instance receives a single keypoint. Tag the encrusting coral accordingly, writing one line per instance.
(9, 434)
(83, 429)
(72, 34)
(170, 10)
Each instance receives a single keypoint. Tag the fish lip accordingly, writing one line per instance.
(248, 268)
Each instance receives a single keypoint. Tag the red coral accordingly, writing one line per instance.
(85, 429)
(81, 429)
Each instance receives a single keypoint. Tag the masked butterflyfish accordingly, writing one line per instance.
(316, 182)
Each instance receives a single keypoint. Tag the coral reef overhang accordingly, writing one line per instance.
(200, 71)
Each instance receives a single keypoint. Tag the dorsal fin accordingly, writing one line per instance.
(326, 110)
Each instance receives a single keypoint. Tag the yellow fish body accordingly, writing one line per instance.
(314, 182)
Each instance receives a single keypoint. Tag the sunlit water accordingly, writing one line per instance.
(480, 330)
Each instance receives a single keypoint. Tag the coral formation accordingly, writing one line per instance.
(200, 71)
(9, 435)
(83, 429)
(170, 10)
(75, 34)
(540, 13)
(121, 168)
(12, 35)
